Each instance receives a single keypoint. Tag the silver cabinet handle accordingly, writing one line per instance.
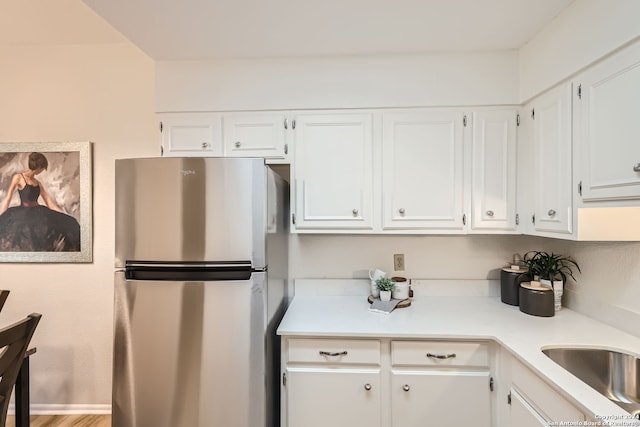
(355, 212)
(406, 387)
(551, 212)
(490, 213)
(237, 144)
(636, 167)
(286, 148)
(333, 353)
(441, 356)
(367, 386)
(402, 211)
(205, 145)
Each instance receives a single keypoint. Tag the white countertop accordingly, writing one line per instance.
(468, 317)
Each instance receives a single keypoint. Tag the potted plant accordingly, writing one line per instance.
(552, 270)
(385, 285)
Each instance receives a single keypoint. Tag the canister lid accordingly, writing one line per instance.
(535, 286)
(515, 269)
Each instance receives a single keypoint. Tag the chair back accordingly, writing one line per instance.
(3, 297)
(14, 342)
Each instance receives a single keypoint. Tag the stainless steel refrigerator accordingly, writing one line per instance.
(201, 280)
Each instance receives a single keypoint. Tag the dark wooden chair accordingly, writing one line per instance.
(14, 342)
(4, 294)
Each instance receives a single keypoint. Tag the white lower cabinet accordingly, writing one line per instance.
(522, 414)
(534, 403)
(431, 381)
(337, 397)
(331, 382)
(385, 383)
(440, 398)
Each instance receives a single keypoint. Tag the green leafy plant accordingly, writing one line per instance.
(385, 284)
(550, 266)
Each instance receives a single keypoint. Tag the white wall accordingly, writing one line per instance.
(73, 92)
(426, 257)
(583, 33)
(442, 79)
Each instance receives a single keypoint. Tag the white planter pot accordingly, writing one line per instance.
(375, 292)
(385, 295)
(558, 289)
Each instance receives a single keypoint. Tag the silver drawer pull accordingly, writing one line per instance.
(551, 212)
(237, 144)
(333, 353)
(490, 213)
(636, 167)
(406, 387)
(441, 356)
(205, 145)
(354, 212)
(367, 386)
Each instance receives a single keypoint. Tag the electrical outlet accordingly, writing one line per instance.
(398, 262)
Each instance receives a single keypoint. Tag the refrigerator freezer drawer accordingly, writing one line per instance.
(190, 354)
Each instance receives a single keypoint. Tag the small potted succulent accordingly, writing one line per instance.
(385, 285)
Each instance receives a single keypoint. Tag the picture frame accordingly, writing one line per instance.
(48, 217)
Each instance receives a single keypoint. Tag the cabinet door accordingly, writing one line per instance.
(522, 414)
(255, 135)
(333, 172)
(493, 176)
(440, 398)
(608, 103)
(333, 397)
(423, 171)
(191, 134)
(552, 161)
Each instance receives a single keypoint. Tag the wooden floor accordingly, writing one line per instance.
(66, 421)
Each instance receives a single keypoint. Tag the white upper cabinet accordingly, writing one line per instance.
(552, 173)
(333, 172)
(256, 135)
(608, 136)
(191, 134)
(423, 170)
(493, 171)
(226, 134)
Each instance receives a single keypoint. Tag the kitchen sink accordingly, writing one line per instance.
(613, 374)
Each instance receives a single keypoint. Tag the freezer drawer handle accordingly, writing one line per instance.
(441, 356)
(333, 353)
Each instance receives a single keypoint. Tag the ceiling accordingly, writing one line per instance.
(46, 22)
(214, 29)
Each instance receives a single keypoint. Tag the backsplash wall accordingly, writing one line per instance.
(608, 289)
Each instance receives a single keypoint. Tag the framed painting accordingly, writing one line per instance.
(45, 202)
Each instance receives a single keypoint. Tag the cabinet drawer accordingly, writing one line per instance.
(439, 353)
(327, 351)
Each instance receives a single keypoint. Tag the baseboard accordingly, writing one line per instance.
(63, 409)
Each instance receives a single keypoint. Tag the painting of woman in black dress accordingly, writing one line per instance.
(39, 208)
